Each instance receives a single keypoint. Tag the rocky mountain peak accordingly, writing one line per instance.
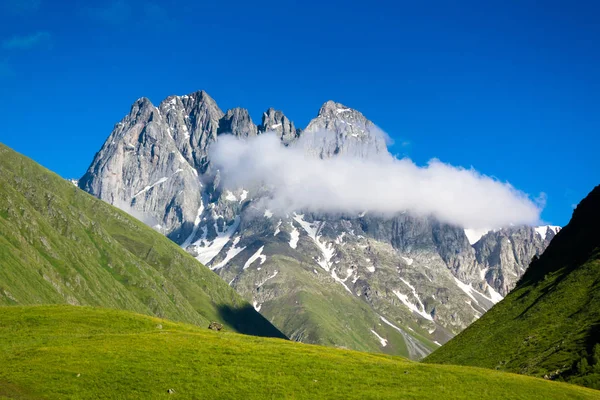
(142, 102)
(331, 108)
(275, 121)
(199, 96)
(338, 129)
(140, 110)
(412, 271)
(237, 122)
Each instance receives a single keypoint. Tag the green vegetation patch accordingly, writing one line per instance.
(80, 352)
(60, 245)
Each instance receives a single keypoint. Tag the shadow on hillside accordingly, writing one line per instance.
(593, 337)
(249, 322)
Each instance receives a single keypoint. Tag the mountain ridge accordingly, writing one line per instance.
(422, 276)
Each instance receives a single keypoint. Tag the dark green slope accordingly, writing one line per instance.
(59, 244)
(550, 323)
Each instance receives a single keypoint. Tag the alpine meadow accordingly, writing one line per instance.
(299, 200)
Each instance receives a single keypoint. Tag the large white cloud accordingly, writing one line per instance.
(387, 185)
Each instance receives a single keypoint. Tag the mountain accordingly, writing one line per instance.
(60, 245)
(58, 352)
(402, 284)
(549, 324)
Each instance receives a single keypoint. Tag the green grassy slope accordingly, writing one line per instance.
(319, 311)
(550, 323)
(59, 244)
(79, 352)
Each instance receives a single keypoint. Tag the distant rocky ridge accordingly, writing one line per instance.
(401, 285)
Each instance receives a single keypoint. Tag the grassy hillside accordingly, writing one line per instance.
(59, 244)
(312, 308)
(549, 325)
(79, 352)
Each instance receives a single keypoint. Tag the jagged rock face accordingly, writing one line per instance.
(237, 122)
(141, 169)
(194, 123)
(505, 254)
(341, 130)
(275, 121)
(400, 284)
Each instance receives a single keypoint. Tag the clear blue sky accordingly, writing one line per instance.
(511, 88)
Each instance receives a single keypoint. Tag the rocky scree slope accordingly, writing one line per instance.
(401, 285)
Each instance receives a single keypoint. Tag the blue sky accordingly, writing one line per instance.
(511, 88)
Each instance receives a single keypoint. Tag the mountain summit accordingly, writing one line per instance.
(401, 284)
(338, 129)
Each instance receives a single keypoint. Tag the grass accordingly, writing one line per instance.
(87, 353)
(313, 308)
(61, 245)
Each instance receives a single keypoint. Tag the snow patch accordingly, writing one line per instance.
(256, 256)
(256, 306)
(277, 230)
(231, 253)
(207, 250)
(268, 214)
(404, 299)
(144, 190)
(381, 340)
(337, 279)
(408, 260)
(468, 289)
(543, 230)
(494, 296)
(327, 249)
(189, 239)
(294, 237)
(230, 196)
(482, 273)
(415, 348)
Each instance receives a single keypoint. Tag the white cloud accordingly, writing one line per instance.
(387, 185)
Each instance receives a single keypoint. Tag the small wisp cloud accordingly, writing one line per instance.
(385, 185)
